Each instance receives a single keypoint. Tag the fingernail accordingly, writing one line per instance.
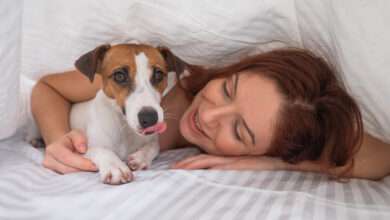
(93, 166)
(82, 147)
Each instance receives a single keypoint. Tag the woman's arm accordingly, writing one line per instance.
(373, 159)
(371, 162)
(51, 99)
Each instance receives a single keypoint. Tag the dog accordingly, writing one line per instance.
(123, 121)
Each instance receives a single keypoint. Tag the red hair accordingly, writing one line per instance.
(318, 119)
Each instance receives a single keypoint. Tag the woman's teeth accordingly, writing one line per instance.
(197, 124)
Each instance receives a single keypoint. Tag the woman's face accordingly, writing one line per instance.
(233, 116)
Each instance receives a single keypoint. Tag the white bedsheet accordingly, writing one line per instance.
(29, 191)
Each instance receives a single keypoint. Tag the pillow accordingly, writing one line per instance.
(10, 52)
(57, 32)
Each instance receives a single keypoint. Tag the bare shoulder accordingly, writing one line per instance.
(372, 159)
(370, 162)
(373, 144)
(175, 104)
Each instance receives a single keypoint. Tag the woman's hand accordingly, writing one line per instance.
(206, 161)
(65, 154)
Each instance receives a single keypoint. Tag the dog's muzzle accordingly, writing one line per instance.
(148, 120)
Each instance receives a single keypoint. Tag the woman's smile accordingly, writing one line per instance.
(195, 124)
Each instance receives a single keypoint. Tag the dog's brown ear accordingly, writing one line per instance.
(174, 63)
(89, 63)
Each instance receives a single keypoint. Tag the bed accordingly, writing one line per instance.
(29, 191)
(40, 37)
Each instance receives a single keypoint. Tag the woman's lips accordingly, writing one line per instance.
(194, 124)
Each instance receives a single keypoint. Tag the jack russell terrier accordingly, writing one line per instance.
(123, 121)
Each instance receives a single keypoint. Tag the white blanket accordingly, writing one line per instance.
(29, 191)
(10, 57)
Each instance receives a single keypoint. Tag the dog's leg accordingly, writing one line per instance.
(100, 123)
(112, 169)
(142, 158)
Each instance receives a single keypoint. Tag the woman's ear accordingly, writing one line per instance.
(173, 62)
(89, 63)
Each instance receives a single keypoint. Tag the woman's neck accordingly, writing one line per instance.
(175, 103)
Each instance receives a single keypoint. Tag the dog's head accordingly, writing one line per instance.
(135, 76)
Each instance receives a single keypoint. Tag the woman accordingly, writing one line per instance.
(279, 110)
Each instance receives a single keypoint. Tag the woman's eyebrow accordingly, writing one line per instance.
(235, 84)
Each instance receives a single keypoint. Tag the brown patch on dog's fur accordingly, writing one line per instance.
(156, 60)
(124, 56)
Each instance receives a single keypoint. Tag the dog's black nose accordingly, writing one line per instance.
(147, 117)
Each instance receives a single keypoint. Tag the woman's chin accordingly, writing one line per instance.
(183, 128)
(191, 136)
(186, 131)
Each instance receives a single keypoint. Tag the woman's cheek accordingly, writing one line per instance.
(229, 149)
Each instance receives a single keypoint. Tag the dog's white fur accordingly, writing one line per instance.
(113, 138)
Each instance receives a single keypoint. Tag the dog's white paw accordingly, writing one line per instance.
(115, 172)
(138, 161)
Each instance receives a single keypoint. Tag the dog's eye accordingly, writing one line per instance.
(158, 75)
(121, 76)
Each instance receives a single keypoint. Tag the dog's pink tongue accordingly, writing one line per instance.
(157, 128)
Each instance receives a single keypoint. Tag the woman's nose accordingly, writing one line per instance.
(213, 115)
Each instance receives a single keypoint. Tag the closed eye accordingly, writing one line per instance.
(236, 132)
(228, 88)
(235, 126)
(225, 90)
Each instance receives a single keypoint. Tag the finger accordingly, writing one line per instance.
(204, 162)
(188, 160)
(50, 163)
(239, 164)
(248, 164)
(65, 156)
(231, 166)
(78, 140)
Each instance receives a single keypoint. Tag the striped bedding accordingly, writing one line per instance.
(28, 191)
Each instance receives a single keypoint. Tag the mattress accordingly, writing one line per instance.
(29, 191)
